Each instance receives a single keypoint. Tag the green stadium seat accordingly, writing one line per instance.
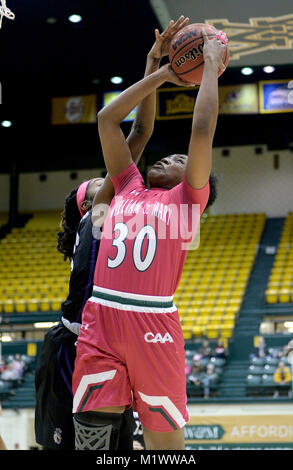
(255, 370)
(253, 380)
(268, 380)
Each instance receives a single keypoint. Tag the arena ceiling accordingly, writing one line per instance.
(260, 31)
(44, 55)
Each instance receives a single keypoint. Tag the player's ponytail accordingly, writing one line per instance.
(70, 219)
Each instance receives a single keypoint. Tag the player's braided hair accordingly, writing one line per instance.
(213, 189)
(70, 219)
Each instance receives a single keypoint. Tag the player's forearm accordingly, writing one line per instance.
(119, 108)
(207, 103)
(143, 124)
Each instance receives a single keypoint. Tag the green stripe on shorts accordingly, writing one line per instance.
(160, 410)
(135, 302)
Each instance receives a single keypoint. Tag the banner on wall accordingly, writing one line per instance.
(238, 99)
(74, 110)
(237, 431)
(276, 96)
(175, 103)
(178, 103)
(110, 96)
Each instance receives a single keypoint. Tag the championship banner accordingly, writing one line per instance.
(276, 96)
(238, 99)
(175, 103)
(178, 103)
(74, 110)
(240, 431)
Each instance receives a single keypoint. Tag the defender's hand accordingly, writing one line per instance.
(161, 46)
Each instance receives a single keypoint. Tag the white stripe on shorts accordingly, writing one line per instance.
(166, 403)
(88, 380)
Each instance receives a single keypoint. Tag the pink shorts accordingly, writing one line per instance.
(128, 357)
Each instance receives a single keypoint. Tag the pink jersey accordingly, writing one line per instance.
(146, 234)
(130, 350)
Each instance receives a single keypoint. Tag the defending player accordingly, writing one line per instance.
(131, 349)
(53, 417)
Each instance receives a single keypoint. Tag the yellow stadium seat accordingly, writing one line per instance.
(197, 330)
(33, 305)
(227, 332)
(45, 305)
(187, 332)
(272, 296)
(20, 305)
(212, 332)
(8, 306)
(284, 295)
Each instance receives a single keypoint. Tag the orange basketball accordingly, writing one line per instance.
(186, 51)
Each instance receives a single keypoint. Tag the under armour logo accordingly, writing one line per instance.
(84, 326)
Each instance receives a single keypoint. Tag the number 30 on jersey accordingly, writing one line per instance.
(119, 243)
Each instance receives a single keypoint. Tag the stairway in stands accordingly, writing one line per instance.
(254, 300)
(24, 395)
(233, 385)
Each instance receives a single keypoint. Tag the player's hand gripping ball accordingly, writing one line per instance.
(186, 51)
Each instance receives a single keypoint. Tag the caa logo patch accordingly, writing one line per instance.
(158, 338)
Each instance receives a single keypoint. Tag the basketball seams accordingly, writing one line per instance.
(187, 44)
(198, 65)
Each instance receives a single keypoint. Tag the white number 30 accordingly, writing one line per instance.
(140, 264)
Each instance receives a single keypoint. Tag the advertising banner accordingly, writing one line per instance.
(221, 432)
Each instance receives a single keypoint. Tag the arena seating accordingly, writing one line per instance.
(219, 365)
(215, 276)
(280, 286)
(33, 275)
(260, 374)
(14, 392)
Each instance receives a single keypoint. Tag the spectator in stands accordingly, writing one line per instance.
(10, 374)
(18, 364)
(287, 349)
(220, 350)
(205, 351)
(260, 350)
(187, 368)
(282, 376)
(196, 371)
(210, 378)
(3, 366)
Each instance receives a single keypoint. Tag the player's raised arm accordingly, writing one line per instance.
(143, 125)
(116, 151)
(205, 115)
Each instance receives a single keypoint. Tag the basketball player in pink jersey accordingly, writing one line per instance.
(131, 346)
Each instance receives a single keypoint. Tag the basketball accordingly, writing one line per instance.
(186, 51)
